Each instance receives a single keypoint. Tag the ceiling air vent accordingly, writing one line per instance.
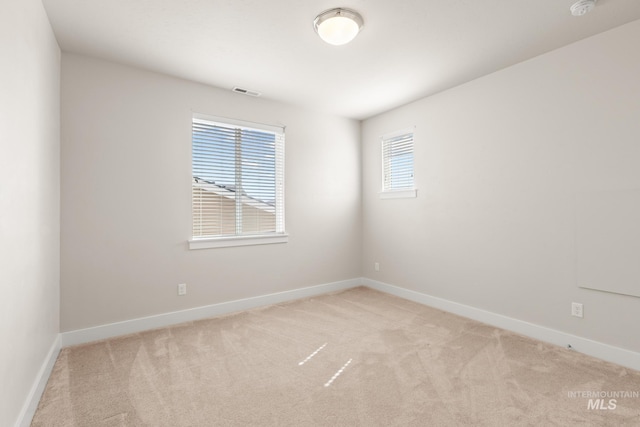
(246, 91)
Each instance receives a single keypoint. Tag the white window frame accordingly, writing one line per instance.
(280, 236)
(408, 192)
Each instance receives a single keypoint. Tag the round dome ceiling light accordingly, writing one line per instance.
(582, 7)
(338, 26)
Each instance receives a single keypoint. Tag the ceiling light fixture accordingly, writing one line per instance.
(338, 26)
(582, 7)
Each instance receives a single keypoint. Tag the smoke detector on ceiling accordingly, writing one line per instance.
(582, 7)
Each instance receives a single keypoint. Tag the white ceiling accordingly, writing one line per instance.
(408, 48)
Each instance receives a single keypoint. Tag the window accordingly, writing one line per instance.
(397, 165)
(237, 184)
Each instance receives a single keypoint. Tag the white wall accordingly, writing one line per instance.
(126, 183)
(504, 165)
(29, 199)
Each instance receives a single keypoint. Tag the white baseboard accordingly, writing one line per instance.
(111, 330)
(33, 398)
(607, 352)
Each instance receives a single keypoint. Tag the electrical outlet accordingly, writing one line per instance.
(376, 266)
(182, 289)
(576, 309)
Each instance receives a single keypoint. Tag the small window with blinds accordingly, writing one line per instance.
(237, 185)
(397, 165)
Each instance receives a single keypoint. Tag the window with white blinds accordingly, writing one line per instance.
(237, 180)
(397, 163)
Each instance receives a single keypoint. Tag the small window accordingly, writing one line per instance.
(237, 184)
(397, 165)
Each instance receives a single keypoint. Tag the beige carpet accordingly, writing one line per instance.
(354, 358)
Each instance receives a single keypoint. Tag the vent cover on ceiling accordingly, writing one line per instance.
(246, 91)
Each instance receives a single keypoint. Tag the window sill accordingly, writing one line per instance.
(399, 194)
(226, 242)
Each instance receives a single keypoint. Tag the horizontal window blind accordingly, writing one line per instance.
(237, 179)
(397, 161)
